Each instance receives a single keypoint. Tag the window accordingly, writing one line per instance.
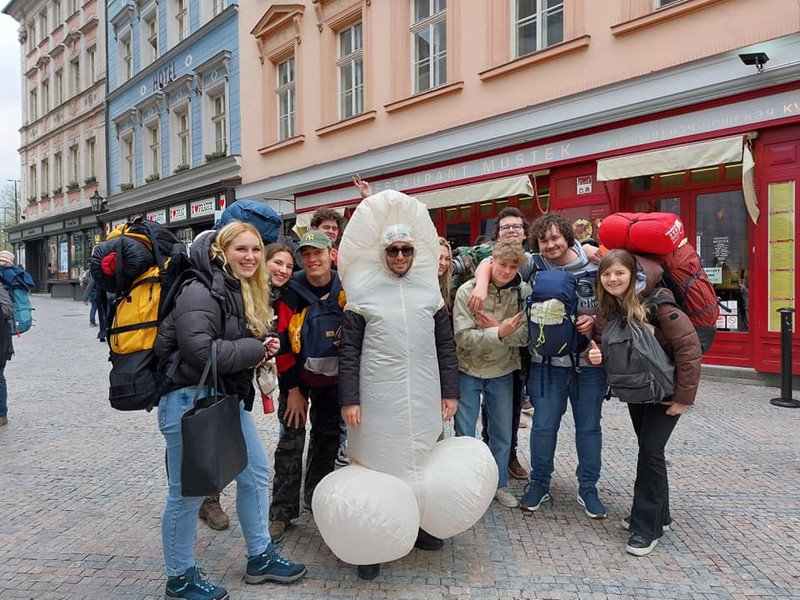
(153, 156)
(429, 35)
(32, 184)
(127, 165)
(75, 65)
(45, 178)
(537, 25)
(286, 99)
(351, 72)
(58, 171)
(33, 105)
(91, 62)
(45, 97)
(219, 120)
(74, 168)
(125, 57)
(182, 19)
(44, 29)
(182, 151)
(31, 36)
(217, 7)
(90, 158)
(662, 3)
(58, 82)
(73, 6)
(57, 16)
(150, 30)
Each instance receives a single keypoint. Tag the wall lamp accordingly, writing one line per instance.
(759, 59)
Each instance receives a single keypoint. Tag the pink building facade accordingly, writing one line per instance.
(687, 106)
(63, 137)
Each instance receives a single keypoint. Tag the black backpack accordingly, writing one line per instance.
(638, 369)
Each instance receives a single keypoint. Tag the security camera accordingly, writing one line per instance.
(759, 59)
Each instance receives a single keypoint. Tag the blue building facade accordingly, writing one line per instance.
(173, 119)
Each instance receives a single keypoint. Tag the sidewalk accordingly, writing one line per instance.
(83, 490)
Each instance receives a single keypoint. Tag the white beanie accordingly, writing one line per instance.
(396, 233)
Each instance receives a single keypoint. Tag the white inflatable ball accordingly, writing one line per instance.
(365, 516)
(460, 483)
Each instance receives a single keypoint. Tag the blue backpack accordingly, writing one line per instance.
(19, 283)
(316, 341)
(552, 311)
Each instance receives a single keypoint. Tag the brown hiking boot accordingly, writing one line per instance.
(516, 470)
(277, 529)
(211, 512)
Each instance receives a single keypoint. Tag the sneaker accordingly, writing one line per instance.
(587, 498)
(533, 498)
(192, 585)
(368, 572)
(527, 407)
(626, 524)
(211, 512)
(506, 498)
(92, 324)
(639, 545)
(277, 529)
(516, 470)
(425, 541)
(271, 566)
(342, 458)
(3, 421)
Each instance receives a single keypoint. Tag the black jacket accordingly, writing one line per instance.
(353, 327)
(209, 308)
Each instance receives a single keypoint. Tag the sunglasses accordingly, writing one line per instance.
(393, 251)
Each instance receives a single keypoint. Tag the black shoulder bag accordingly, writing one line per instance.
(214, 452)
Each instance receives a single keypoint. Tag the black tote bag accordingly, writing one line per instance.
(214, 452)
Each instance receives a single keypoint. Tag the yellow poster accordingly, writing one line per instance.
(781, 250)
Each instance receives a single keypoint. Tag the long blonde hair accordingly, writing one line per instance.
(446, 278)
(629, 305)
(255, 289)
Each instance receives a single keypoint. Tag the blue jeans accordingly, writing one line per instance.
(93, 312)
(498, 403)
(179, 524)
(3, 395)
(586, 390)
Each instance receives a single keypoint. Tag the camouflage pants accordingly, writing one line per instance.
(322, 447)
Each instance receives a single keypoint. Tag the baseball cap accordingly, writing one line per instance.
(314, 239)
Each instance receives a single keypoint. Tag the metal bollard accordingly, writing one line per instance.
(786, 399)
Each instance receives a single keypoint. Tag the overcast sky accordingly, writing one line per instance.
(10, 103)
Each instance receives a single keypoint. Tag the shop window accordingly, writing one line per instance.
(722, 243)
(733, 172)
(672, 205)
(671, 180)
(704, 175)
(538, 24)
(429, 41)
(642, 183)
(586, 219)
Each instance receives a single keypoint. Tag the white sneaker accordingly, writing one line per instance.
(506, 498)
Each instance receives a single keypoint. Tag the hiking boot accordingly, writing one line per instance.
(626, 524)
(425, 541)
(368, 572)
(342, 457)
(516, 470)
(271, 566)
(211, 512)
(535, 495)
(192, 585)
(3, 421)
(588, 499)
(277, 529)
(639, 545)
(506, 498)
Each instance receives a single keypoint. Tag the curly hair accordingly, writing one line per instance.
(255, 289)
(509, 211)
(326, 214)
(542, 225)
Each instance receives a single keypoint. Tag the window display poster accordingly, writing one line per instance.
(63, 257)
(781, 242)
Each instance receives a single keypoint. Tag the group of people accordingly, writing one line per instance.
(256, 305)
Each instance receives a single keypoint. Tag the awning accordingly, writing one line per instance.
(477, 192)
(668, 160)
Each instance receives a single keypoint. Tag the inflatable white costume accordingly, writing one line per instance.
(400, 478)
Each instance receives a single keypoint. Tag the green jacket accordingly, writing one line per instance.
(480, 353)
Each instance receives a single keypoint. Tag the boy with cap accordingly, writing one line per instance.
(309, 319)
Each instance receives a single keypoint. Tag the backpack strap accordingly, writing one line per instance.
(311, 297)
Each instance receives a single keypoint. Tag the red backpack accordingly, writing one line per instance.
(655, 234)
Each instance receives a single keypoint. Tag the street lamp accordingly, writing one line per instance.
(99, 206)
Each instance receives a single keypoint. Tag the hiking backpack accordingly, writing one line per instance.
(637, 368)
(552, 312)
(19, 284)
(144, 292)
(314, 334)
(661, 236)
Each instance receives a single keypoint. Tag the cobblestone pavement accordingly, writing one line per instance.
(83, 490)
